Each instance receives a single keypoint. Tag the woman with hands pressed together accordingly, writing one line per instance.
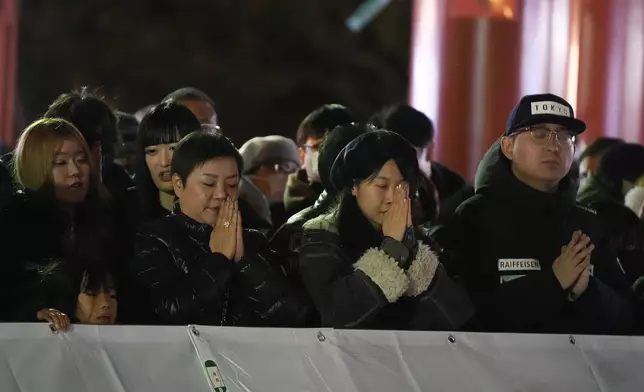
(199, 265)
(365, 263)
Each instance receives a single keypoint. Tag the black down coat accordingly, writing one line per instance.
(185, 283)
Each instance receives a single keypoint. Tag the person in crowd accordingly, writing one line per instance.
(253, 204)
(304, 187)
(604, 191)
(418, 129)
(199, 265)
(268, 161)
(125, 151)
(61, 202)
(159, 132)
(532, 259)
(286, 239)
(199, 103)
(616, 173)
(96, 121)
(62, 300)
(366, 264)
(592, 154)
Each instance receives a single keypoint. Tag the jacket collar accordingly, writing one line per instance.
(197, 230)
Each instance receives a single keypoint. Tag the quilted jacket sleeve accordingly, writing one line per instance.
(348, 294)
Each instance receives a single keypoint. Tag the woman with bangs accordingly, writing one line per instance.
(366, 264)
(89, 298)
(61, 212)
(201, 264)
(159, 132)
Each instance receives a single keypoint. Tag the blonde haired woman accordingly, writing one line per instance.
(59, 215)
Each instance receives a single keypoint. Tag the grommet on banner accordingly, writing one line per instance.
(572, 339)
(451, 338)
(321, 337)
(195, 331)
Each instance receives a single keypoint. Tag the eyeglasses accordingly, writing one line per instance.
(542, 135)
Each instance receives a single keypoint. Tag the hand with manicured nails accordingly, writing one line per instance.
(398, 215)
(574, 259)
(223, 238)
(239, 251)
(54, 317)
(582, 283)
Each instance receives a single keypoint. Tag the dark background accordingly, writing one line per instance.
(266, 63)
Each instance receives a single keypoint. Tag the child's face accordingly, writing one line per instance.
(97, 309)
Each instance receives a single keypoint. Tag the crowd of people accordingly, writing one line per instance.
(156, 218)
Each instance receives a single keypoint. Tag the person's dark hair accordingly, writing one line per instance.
(623, 162)
(89, 113)
(200, 147)
(333, 143)
(322, 120)
(60, 286)
(97, 279)
(165, 123)
(599, 147)
(406, 121)
(127, 127)
(188, 94)
(361, 160)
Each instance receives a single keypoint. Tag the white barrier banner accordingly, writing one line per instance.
(224, 359)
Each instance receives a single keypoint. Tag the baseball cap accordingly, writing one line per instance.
(543, 109)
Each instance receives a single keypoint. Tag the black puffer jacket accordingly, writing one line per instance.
(185, 283)
(452, 191)
(36, 233)
(376, 291)
(25, 219)
(503, 242)
(286, 240)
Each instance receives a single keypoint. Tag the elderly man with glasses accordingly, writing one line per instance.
(532, 259)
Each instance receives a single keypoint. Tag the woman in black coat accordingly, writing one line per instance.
(159, 132)
(198, 265)
(59, 212)
(365, 264)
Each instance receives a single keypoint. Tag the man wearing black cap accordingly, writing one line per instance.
(532, 259)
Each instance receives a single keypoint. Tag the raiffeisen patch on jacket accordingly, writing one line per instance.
(504, 241)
